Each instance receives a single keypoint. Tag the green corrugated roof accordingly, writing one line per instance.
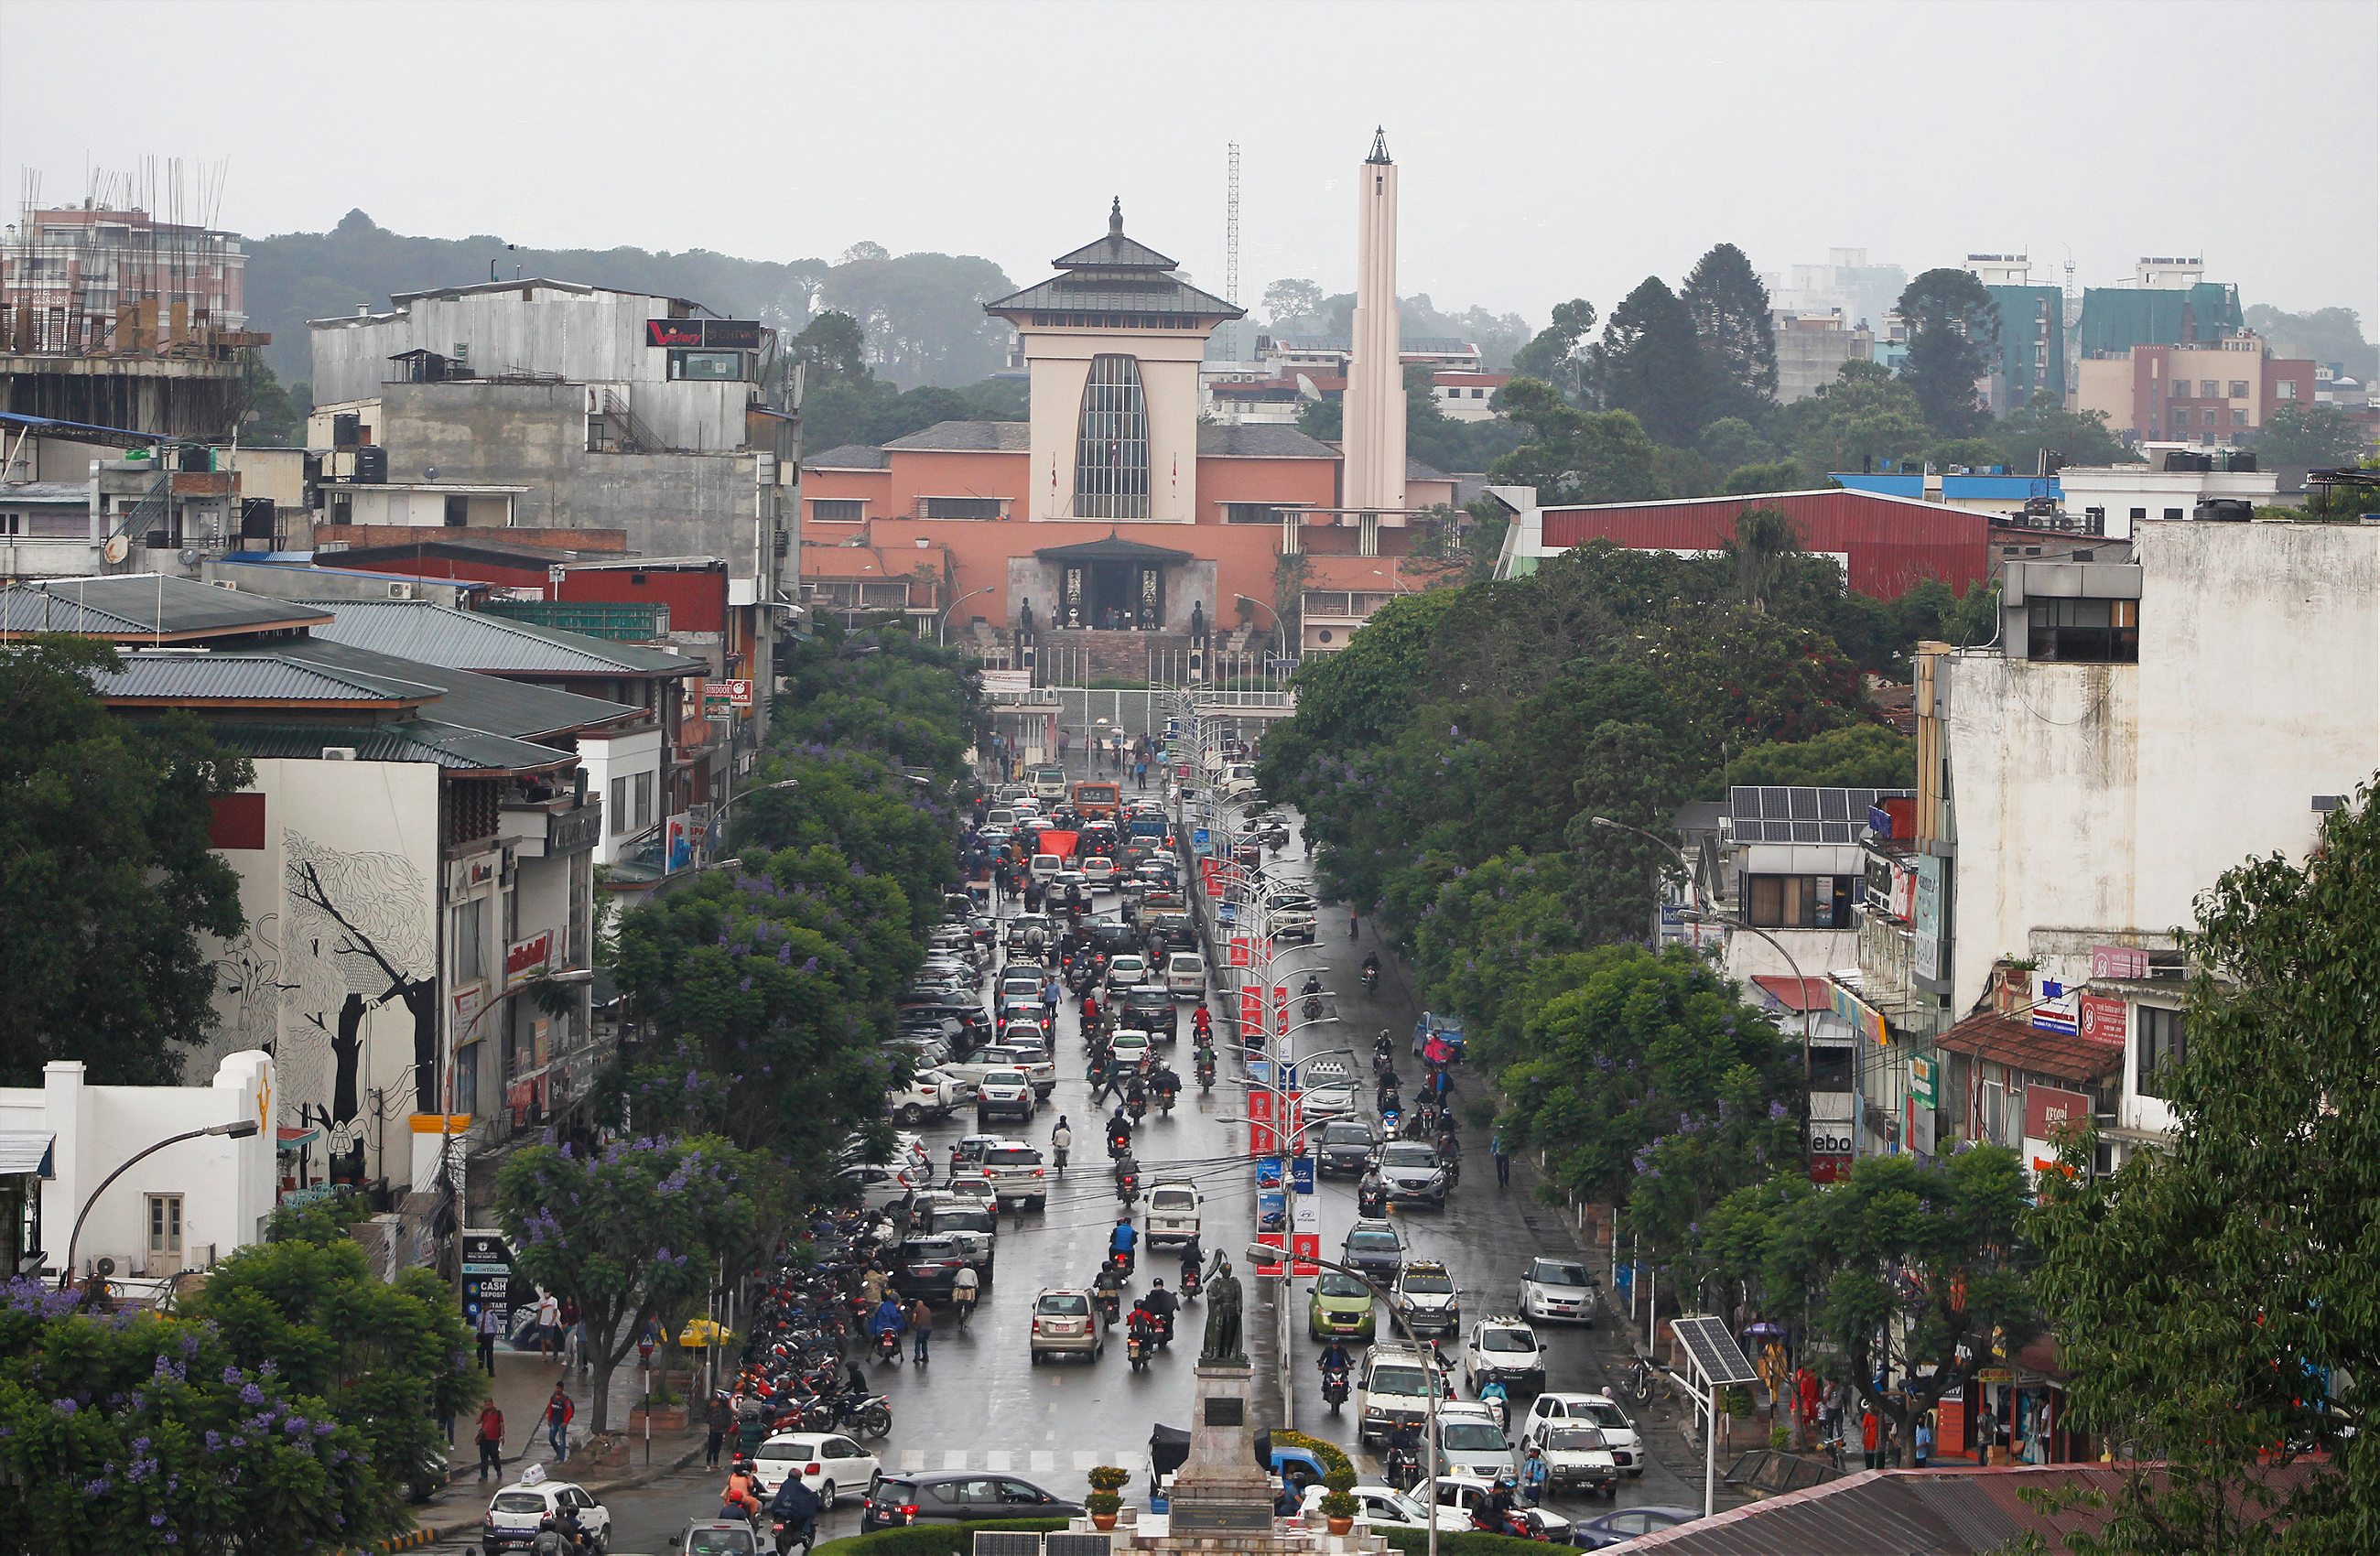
(410, 740)
(2116, 319)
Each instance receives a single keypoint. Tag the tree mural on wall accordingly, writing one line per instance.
(249, 976)
(357, 937)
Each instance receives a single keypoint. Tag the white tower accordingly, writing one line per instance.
(1375, 420)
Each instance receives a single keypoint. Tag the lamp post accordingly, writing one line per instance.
(569, 977)
(1279, 629)
(237, 1129)
(719, 818)
(1262, 1254)
(942, 622)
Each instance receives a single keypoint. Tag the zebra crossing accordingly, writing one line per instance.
(1045, 1461)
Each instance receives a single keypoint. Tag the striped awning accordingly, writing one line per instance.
(26, 1150)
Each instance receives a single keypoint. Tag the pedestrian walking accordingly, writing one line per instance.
(491, 1324)
(1503, 1161)
(1533, 1476)
(718, 1419)
(921, 1324)
(1924, 1442)
(1872, 1456)
(559, 1408)
(549, 1324)
(490, 1439)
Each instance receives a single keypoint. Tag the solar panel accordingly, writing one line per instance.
(1777, 813)
(1717, 1356)
(994, 1542)
(1077, 1545)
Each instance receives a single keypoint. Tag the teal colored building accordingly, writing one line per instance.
(2032, 346)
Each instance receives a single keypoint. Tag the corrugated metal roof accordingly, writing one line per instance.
(966, 437)
(26, 1150)
(433, 634)
(1262, 440)
(2006, 1040)
(1893, 543)
(1117, 292)
(69, 493)
(129, 605)
(267, 675)
(411, 740)
(488, 703)
(847, 457)
(1797, 993)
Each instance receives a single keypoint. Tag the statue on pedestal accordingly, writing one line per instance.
(1222, 1295)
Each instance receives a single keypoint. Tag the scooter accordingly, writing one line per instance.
(1400, 1468)
(1334, 1388)
(888, 1347)
(1206, 1070)
(1136, 1348)
(1371, 979)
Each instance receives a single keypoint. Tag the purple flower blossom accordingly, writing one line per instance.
(64, 1406)
(251, 1394)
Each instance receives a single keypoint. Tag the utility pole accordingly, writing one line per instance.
(1231, 255)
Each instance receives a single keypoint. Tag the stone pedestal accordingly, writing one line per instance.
(1220, 1490)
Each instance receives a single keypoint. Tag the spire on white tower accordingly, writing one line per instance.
(1373, 425)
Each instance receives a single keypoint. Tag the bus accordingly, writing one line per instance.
(1096, 798)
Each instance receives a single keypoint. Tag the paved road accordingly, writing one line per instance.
(979, 1404)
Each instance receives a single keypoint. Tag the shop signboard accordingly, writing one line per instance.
(530, 958)
(2101, 1020)
(2118, 962)
(2048, 1111)
(1924, 1079)
(487, 1277)
(1926, 917)
(2054, 1008)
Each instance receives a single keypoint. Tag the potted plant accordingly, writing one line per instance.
(664, 1409)
(1339, 1500)
(1103, 1504)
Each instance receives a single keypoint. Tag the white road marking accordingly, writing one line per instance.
(1085, 1459)
(998, 1459)
(1044, 1461)
(913, 1458)
(955, 1459)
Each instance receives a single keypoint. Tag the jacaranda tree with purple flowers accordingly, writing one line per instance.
(392, 1357)
(632, 1229)
(139, 1434)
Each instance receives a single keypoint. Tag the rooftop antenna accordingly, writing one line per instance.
(1231, 256)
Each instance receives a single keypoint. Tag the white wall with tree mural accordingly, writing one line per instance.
(336, 973)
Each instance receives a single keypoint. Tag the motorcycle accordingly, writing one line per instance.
(1390, 1118)
(888, 1347)
(868, 1414)
(1137, 1105)
(1313, 1007)
(1371, 979)
(1135, 1349)
(1165, 1099)
(1636, 1378)
(1127, 1188)
(1400, 1468)
(1372, 1203)
(788, 1539)
(1119, 1145)
(1109, 1304)
(1334, 1388)
(1206, 1067)
(1519, 1522)
(1123, 1261)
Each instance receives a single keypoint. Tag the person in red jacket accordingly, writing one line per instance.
(1875, 1455)
(491, 1440)
(559, 1408)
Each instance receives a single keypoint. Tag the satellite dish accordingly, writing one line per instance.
(116, 549)
(105, 1267)
(430, 472)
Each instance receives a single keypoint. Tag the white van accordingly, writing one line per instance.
(1045, 868)
(1185, 974)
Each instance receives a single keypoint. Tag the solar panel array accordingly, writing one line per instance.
(1776, 813)
(997, 1542)
(1719, 1359)
(1076, 1545)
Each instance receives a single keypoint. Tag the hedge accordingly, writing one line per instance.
(1333, 1457)
(1450, 1543)
(936, 1539)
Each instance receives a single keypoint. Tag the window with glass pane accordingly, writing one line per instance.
(1111, 443)
(2085, 631)
(2160, 1044)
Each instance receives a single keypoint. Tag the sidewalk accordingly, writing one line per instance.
(524, 1381)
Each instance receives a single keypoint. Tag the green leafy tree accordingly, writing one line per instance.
(1863, 416)
(271, 416)
(1764, 540)
(2046, 426)
(2205, 1294)
(1904, 1272)
(1953, 340)
(861, 806)
(1732, 443)
(1489, 926)
(1855, 757)
(1682, 472)
(106, 877)
(1290, 303)
(390, 1354)
(2327, 335)
(1639, 1051)
(1574, 456)
(1651, 364)
(1729, 307)
(831, 348)
(1553, 353)
(2317, 436)
(142, 1433)
(1783, 475)
(1970, 451)
(632, 1229)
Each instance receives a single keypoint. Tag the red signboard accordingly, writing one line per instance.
(525, 959)
(1239, 950)
(1263, 1139)
(1271, 1240)
(2119, 961)
(2101, 1020)
(1830, 1168)
(1305, 1248)
(1281, 1010)
(2048, 1109)
(1252, 1012)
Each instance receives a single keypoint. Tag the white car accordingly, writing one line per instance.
(1129, 1046)
(1099, 871)
(1469, 1439)
(1424, 1295)
(1558, 1288)
(1331, 1100)
(1004, 1093)
(1385, 1507)
(1173, 1214)
(1599, 1411)
(515, 1513)
(929, 1094)
(1045, 868)
(1576, 1457)
(827, 1462)
(1126, 971)
(1504, 1350)
(1185, 974)
(1470, 1493)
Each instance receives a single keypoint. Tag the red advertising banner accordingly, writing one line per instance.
(1829, 1169)
(2118, 962)
(1263, 1138)
(1271, 1240)
(1239, 950)
(1305, 1248)
(1281, 1010)
(2101, 1020)
(2050, 1108)
(1251, 1011)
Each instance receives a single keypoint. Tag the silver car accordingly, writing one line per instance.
(1413, 1172)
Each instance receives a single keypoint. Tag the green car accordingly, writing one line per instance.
(1341, 1305)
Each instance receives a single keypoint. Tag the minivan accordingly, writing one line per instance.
(1045, 868)
(1185, 974)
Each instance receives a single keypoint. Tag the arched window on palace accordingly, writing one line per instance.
(1111, 443)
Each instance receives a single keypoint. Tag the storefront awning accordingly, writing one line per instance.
(1797, 993)
(26, 1150)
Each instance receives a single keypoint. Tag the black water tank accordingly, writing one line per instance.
(192, 458)
(372, 465)
(2224, 510)
(346, 429)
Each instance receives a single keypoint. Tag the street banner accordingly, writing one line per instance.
(1262, 1138)
(1239, 957)
(1251, 1011)
(1272, 1240)
(1301, 1174)
(1281, 1010)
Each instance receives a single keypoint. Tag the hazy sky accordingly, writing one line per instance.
(1547, 150)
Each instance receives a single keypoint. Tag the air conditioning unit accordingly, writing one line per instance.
(400, 591)
(338, 753)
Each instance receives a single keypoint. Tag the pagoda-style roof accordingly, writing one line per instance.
(1112, 549)
(1124, 283)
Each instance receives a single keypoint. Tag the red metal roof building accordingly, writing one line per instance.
(1891, 544)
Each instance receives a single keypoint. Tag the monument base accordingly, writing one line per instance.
(1219, 1489)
